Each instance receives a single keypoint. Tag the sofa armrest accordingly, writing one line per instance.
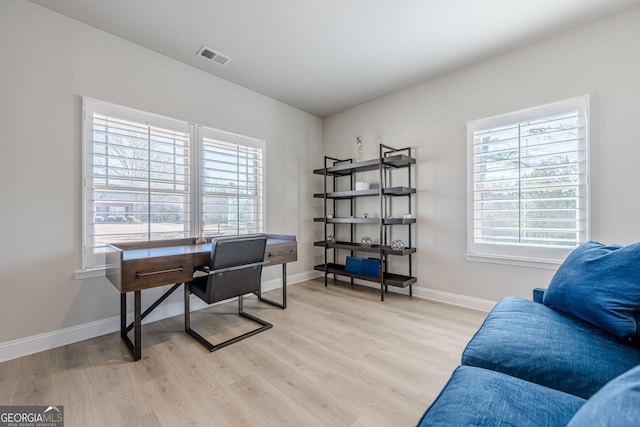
(538, 294)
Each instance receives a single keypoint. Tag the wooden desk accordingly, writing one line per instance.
(132, 267)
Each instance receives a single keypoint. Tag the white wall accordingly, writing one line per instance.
(47, 63)
(600, 59)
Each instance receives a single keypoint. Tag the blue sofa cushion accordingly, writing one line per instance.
(616, 404)
(479, 397)
(600, 284)
(536, 343)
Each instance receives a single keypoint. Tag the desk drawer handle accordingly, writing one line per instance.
(280, 253)
(172, 270)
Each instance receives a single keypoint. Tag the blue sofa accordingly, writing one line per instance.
(547, 362)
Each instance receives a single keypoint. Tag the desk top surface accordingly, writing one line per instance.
(188, 249)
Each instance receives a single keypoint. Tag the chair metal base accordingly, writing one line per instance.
(213, 347)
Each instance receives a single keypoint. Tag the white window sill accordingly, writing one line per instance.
(549, 264)
(90, 273)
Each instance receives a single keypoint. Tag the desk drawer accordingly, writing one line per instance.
(281, 253)
(147, 273)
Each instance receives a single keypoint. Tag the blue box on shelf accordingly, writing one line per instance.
(363, 266)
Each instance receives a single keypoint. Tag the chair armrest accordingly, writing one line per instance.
(200, 272)
(238, 267)
(538, 294)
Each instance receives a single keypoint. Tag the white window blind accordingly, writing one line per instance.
(231, 184)
(528, 182)
(148, 177)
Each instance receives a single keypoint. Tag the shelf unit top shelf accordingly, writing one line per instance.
(395, 161)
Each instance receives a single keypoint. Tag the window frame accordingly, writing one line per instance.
(523, 254)
(92, 263)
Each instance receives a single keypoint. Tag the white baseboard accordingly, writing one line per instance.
(439, 296)
(292, 279)
(454, 299)
(49, 340)
(37, 343)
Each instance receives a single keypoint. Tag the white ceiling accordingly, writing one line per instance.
(323, 56)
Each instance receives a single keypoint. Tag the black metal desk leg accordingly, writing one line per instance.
(284, 285)
(137, 325)
(135, 347)
(123, 315)
(284, 291)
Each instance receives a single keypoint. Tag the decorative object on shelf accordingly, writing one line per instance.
(329, 216)
(361, 185)
(407, 216)
(397, 245)
(200, 239)
(365, 215)
(359, 148)
(364, 266)
(331, 239)
(366, 242)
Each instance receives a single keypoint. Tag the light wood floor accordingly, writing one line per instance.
(335, 357)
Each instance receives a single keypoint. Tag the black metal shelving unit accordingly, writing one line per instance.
(389, 161)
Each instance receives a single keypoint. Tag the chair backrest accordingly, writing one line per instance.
(233, 251)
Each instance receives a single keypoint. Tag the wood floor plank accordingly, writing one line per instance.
(293, 385)
(337, 356)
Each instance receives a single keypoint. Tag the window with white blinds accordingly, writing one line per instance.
(232, 190)
(142, 174)
(528, 186)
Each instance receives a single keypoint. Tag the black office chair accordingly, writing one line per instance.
(235, 269)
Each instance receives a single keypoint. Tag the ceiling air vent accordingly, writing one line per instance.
(213, 56)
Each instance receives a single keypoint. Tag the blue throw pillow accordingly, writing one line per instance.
(615, 404)
(601, 285)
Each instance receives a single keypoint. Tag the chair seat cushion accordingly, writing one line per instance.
(479, 397)
(531, 341)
